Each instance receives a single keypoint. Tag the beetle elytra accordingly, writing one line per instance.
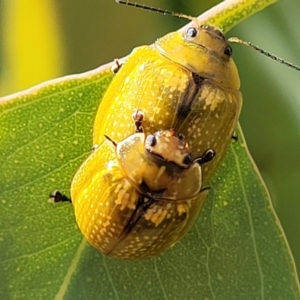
(141, 195)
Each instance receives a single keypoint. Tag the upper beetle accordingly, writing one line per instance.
(186, 81)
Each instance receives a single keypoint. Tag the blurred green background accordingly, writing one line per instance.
(45, 39)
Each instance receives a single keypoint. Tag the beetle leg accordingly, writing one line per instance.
(95, 147)
(57, 196)
(235, 137)
(118, 63)
(138, 117)
(206, 157)
(204, 192)
(205, 189)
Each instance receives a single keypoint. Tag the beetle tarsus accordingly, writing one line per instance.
(138, 117)
(235, 137)
(206, 157)
(117, 65)
(56, 196)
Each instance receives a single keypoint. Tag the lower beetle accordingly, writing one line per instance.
(136, 198)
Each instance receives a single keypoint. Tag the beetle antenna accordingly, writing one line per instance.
(155, 9)
(108, 138)
(272, 56)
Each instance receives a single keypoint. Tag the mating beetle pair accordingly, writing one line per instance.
(141, 196)
(134, 203)
(131, 200)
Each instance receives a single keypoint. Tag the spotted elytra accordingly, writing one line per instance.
(187, 82)
(138, 197)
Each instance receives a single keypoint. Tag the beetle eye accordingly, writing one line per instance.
(151, 140)
(180, 136)
(191, 32)
(188, 159)
(228, 51)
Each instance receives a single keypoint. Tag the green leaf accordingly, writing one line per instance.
(228, 14)
(236, 250)
(45, 134)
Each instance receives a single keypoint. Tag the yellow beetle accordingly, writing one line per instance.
(186, 81)
(136, 198)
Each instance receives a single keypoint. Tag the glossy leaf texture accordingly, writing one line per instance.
(236, 250)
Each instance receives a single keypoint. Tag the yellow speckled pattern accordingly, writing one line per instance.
(122, 222)
(175, 75)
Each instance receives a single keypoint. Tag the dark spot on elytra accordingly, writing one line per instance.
(198, 80)
(183, 111)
